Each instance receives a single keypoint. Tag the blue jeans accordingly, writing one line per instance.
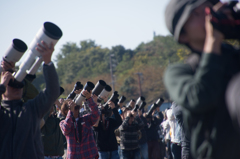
(120, 152)
(47, 157)
(108, 154)
(144, 151)
(131, 154)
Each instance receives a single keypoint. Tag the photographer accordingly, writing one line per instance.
(104, 131)
(143, 141)
(199, 85)
(129, 135)
(153, 139)
(20, 134)
(52, 137)
(78, 130)
(29, 90)
(131, 104)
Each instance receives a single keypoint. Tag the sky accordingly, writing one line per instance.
(107, 22)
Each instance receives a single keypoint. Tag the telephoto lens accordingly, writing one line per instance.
(49, 33)
(135, 108)
(122, 99)
(99, 87)
(113, 98)
(77, 86)
(14, 54)
(142, 105)
(104, 94)
(129, 107)
(154, 106)
(140, 100)
(80, 98)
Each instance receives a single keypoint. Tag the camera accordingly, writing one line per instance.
(129, 107)
(122, 99)
(13, 54)
(230, 28)
(99, 87)
(80, 98)
(154, 106)
(77, 86)
(142, 105)
(140, 100)
(49, 33)
(106, 108)
(105, 92)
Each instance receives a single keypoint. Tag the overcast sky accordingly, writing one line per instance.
(107, 22)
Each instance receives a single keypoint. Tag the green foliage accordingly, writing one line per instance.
(91, 62)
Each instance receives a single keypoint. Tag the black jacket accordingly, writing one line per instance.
(153, 127)
(52, 136)
(105, 137)
(143, 139)
(20, 135)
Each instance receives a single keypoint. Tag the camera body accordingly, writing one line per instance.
(230, 28)
(139, 102)
(106, 108)
(154, 106)
(99, 87)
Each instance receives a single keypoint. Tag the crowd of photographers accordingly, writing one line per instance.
(103, 127)
(91, 123)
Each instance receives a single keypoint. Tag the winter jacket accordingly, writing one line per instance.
(105, 136)
(20, 135)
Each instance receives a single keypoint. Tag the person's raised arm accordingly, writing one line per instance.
(125, 123)
(93, 117)
(118, 120)
(67, 125)
(45, 99)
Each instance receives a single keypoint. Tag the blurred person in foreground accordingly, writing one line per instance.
(199, 85)
(20, 135)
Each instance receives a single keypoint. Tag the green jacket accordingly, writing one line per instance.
(199, 87)
(52, 136)
(29, 91)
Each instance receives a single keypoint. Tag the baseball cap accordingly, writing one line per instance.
(177, 13)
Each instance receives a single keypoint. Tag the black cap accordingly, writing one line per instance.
(177, 13)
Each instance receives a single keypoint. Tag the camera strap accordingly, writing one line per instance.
(78, 123)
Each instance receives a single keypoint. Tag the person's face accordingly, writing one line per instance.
(194, 28)
(131, 119)
(12, 93)
(61, 101)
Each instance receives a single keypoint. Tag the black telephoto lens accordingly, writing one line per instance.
(89, 86)
(99, 87)
(122, 99)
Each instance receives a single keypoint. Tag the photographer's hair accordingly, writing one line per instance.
(65, 107)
